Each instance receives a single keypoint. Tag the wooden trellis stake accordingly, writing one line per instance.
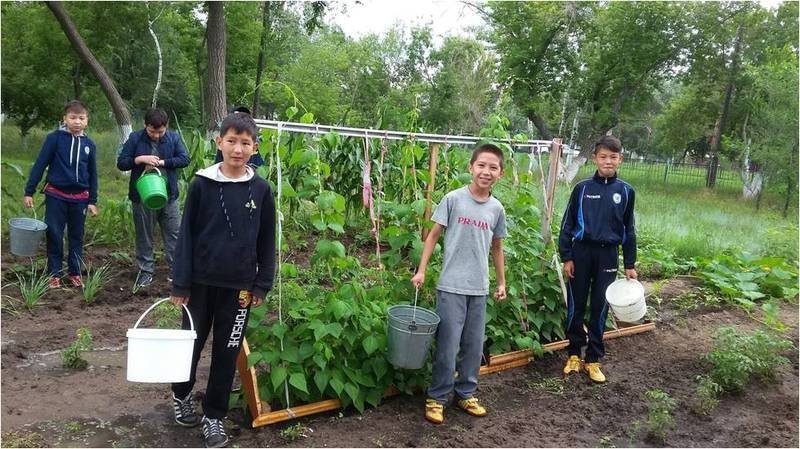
(434, 159)
(555, 160)
(263, 415)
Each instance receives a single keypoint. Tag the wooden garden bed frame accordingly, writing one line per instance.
(262, 414)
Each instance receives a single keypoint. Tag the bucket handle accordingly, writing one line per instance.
(413, 326)
(191, 322)
(150, 167)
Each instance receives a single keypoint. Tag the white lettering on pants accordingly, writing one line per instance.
(238, 327)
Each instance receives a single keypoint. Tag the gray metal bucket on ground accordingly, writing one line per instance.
(25, 235)
(411, 332)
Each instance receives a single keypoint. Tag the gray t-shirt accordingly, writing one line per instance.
(470, 227)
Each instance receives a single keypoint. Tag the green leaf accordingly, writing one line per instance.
(253, 358)
(298, 380)
(290, 354)
(321, 379)
(319, 359)
(279, 330)
(291, 112)
(334, 329)
(351, 390)
(370, 344)
(340, 309)
(277, 375)
(337, 386)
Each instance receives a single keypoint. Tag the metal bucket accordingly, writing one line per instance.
(25, 235)
(411, 332)
(152, 188)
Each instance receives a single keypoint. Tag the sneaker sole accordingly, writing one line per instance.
(222, 444)
(182, 424)
(432, 421)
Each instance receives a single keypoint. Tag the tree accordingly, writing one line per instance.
(118, 105)
(215, 93)
(775, 120)
(462, 92)
(538, 43)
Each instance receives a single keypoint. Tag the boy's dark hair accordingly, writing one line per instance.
(242, 109)
(156, 118)
(75, 106)
(610, 143)
(487, 148)
(239, 123)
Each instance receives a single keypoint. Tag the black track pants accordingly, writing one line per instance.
(218, 308)
(595, 269)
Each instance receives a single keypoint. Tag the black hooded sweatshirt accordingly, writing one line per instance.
(227, 235)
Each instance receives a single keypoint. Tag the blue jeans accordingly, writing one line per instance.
(459, 345)
(57, 214)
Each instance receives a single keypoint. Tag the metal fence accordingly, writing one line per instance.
(674, 173)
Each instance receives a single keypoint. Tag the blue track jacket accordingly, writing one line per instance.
(600, 211)
(71, 163)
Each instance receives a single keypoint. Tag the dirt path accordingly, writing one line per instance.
(44, 405)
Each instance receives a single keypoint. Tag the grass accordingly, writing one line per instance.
(33, 288)
(94, 280)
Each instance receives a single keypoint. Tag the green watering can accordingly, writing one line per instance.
(152, 188)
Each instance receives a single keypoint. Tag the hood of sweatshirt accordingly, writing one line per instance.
(74, 147)
(214, 173)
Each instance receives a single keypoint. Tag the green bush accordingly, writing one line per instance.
(71, 355)
(659, 414)
(708, 392)
(736, 357)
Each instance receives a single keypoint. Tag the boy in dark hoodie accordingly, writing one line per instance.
(224, 263)
(154, 147)
(70, 189)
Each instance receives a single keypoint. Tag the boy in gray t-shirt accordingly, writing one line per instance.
(476, 223)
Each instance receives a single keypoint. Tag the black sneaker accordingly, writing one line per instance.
(185, 414)
(143, 279)
(214, 432)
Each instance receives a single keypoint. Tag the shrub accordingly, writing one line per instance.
(707, 393)
(659, 417)
(71, 355)
(736, 357)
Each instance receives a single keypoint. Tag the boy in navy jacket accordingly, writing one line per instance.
(70, 189)
(224, 262)
(154, 147)
(598, 219)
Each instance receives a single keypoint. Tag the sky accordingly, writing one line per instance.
(446, 17)
(361, 17)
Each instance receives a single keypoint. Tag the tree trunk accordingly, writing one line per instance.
(711, 177)
(265, 32)
(587, 147)
(540, 125)
(160, 58)
(121, 113)
(751, 178)
(77, 81)
(215, 43)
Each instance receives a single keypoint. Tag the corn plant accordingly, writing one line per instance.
(33, 287)
(94, 280)
(71, 355)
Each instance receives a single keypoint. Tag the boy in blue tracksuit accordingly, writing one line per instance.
(154, 147)
(598, 219)
(224, 264)
(70, 189)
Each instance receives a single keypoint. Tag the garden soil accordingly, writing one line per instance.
(46, 405)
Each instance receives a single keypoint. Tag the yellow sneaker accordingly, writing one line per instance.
(593, 369)
(573, 365)
(472, 407)
(434, 411)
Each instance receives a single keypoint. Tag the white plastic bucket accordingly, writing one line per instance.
(626, 298)
(160, 355)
